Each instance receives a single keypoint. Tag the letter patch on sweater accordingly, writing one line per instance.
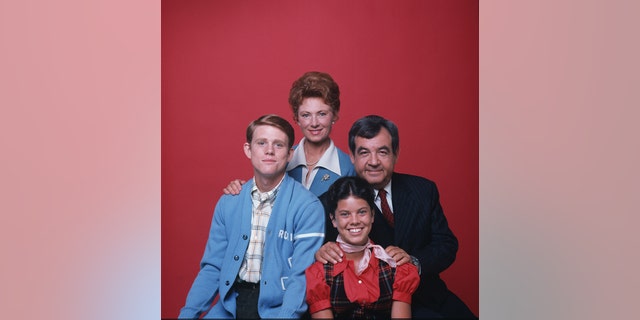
(284, 234)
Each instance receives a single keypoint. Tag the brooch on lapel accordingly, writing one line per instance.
(325, 177)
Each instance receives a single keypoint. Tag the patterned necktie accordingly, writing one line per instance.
(386, 211)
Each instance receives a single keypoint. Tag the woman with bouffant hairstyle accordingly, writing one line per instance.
(314, 99)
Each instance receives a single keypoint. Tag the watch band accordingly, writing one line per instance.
(416, 263)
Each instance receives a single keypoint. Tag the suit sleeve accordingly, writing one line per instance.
(440, 251)
(205, 286)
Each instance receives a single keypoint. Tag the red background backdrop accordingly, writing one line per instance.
(224, 63)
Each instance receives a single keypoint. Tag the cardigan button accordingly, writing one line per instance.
(244, 237)
(226, 282)
(236, 258)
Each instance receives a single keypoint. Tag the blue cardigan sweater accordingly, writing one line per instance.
(294, 233)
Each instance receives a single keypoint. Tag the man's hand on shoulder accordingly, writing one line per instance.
(400, 256)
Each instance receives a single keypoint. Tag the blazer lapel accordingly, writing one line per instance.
(401, 197)
(296, 173)
(321, 182)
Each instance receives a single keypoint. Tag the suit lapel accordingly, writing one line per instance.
(401, 197)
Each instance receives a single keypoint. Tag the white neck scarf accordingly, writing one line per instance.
(364, 262)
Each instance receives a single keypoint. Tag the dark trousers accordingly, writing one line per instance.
(452, 308)
(247, 300)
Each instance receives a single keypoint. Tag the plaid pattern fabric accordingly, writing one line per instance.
(343, 308)
(251, 268)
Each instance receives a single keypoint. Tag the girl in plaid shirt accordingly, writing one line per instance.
(367, 284)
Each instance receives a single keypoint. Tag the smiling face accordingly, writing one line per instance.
(315, 119)
(269, 152)
(353, 218)
(374, 159)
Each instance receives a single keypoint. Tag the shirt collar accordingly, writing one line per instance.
(271, 194)
(329, 159)
(342, 265)
(386, 188)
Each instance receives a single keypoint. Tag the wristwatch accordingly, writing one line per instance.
(416, 263)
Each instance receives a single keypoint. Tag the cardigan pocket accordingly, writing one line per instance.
(284, 283)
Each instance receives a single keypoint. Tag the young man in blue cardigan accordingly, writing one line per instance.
(261, 241)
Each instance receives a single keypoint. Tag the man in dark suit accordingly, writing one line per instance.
(409, 221)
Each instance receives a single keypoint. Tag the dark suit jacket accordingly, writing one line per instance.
(421, 230)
